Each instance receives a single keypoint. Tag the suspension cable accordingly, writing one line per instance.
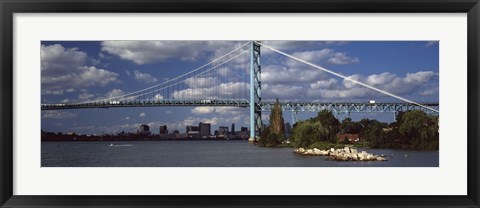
(178, 77)
(346, 78)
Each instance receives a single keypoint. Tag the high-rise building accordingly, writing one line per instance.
(233, 128)
(204, 129)
(223, 130)
(192, 128)
(144, 129)
(163, 129)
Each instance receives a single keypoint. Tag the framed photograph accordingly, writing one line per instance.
(239, 104)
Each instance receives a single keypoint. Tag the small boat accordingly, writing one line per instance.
(111, 145)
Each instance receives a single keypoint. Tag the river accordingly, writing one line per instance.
(208, 154)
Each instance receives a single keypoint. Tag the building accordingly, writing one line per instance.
(205, 129)
(348, 138)
(194, 135)
(233, 128)
(144, 129)
(180, 136)
(223, 130)
(192, 128)
(244, 129)
(163, 129)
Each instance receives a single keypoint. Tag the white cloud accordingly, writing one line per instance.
(144, 77)
(412, 83)
(325, 55)
(85, 96)
(283, 92)
(147, 52)
(342, 58)
(223, 90)
(56, 114)
(65, 68)
(433, 91)
(114, 93)
(291, 71)
(324, 84)
(53, 92)
(157, 97)
(202, 110)
(273, 74)
(201, 82)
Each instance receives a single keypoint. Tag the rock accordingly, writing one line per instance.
(345, 154)
(324, 152)
(381, 159)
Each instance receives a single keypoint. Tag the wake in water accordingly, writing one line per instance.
(120, 145)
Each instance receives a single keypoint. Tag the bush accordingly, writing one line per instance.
(307, 133)
(419, 131)
(270, 139)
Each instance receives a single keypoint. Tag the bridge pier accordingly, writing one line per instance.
(255, 92)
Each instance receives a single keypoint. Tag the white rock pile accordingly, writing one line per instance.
(345, 154)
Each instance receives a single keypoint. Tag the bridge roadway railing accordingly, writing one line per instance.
(349, 107)
(119, 104)
(352, 107)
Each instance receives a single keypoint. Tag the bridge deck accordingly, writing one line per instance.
(264, 106)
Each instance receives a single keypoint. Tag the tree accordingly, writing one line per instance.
(274, 134)
(419, 131)
(307, 133)
(269, 138)
(349, 127)
(276, 119)
(328, 120)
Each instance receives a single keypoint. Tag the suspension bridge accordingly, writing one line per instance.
(234, 80)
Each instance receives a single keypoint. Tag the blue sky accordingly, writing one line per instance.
(80, 71)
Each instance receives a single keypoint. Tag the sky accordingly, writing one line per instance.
(82, 71)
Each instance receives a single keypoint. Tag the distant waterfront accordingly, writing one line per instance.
(50, 136)
(207, 154)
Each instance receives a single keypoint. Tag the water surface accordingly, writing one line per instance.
(208, 154)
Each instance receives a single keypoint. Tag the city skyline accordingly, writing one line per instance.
(76, 71)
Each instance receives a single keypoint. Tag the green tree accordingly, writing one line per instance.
(349, 127)
(328, 120)
(307, 133)
(419, 131)
(276, 119)
(274, 134)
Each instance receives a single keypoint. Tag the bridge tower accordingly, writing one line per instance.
(255, 92)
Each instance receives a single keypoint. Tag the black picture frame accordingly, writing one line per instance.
(10, 7)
